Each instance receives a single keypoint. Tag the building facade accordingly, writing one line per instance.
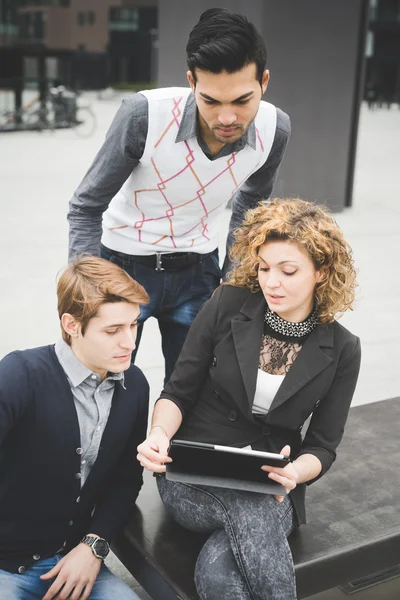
(81, 43)
(383, 52)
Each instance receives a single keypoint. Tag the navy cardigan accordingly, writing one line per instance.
(42, 505)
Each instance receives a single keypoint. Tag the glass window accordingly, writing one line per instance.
(91, 17)
(8, 19)
(38, 26)
(124, 19)
(81, 18)
(388, 10)
(372, 9)
(32, 25)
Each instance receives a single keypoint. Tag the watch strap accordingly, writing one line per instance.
(90, 540)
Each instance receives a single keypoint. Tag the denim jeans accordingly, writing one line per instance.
(247, 556)
(29, 586)
(175, 299)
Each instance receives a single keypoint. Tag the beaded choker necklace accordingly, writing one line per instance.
(287, 327)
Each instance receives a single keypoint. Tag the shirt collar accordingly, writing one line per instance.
(76, 371)
(189, 128)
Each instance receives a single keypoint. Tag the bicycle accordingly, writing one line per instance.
(65, 111)
(61, 111)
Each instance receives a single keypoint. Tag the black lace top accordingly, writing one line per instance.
(278, 351)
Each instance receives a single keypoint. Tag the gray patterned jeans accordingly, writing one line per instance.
(247, 556)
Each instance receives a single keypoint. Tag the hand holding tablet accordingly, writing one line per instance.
(288, 476)
(224, 466)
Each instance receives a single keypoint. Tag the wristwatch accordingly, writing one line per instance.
(99, 546)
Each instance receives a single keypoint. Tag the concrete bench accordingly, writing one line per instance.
(353, 529)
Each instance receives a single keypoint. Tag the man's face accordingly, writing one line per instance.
(227, 102)
(109, 338)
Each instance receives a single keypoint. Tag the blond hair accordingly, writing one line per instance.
(310, 226)
(89, 282)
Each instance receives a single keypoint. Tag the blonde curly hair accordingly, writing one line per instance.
(310, 226)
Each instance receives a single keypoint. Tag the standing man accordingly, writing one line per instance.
(172, 160)
(71, 416)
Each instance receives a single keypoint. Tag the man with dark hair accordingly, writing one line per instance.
(172, 160)
(71, 417)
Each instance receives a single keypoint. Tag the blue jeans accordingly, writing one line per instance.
(247, 556)
(175, 298)
(29, 586)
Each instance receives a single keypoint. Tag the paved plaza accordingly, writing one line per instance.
(39, 172)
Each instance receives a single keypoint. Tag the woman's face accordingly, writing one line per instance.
(287, 278)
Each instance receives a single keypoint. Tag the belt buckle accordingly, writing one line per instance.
(159, 262)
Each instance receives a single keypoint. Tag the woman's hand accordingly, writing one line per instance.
(153, 452)
(286, 476)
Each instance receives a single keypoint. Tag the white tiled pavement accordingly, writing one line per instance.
(39, 171)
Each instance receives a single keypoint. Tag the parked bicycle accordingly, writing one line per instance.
(62, 110)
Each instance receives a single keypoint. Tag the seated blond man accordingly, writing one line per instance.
(71, 416)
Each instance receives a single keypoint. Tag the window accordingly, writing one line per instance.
(32, 25)
(373, 5)
(86, 18)
(388, 10)
(124, 19)
(8, 19)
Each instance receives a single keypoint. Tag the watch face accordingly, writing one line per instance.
(101, 548)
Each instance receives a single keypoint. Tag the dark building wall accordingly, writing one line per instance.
(131, 52)
(316, 59)
(11, 65)
(316, 54)
(176, 18)
(383, 66)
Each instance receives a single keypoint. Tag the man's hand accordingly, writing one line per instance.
(286, 476)
(75, 575)
(153, 452)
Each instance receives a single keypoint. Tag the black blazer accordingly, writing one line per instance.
(214, 383)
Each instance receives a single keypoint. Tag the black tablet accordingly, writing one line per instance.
(224, 466)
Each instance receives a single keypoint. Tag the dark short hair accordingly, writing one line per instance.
(225, 41)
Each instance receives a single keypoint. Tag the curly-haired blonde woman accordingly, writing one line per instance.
(264, 354)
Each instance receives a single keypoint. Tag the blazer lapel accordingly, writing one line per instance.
(309, 363)
(247, 341)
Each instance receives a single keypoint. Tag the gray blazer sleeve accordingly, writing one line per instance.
(115, 161)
